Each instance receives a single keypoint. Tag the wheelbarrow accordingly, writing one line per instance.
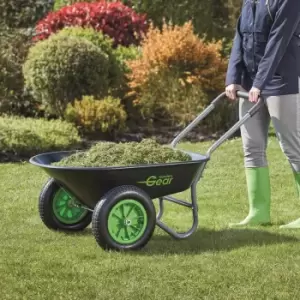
(118, 201)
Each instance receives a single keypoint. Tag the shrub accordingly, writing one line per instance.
(117, 56)
(176, 74)
(14, 45)
(62, 69)
(210, 18)
(125, 54)
(26, 136)
(167, 100)
(91, 115)
(115, 74)
(23, 13)
(214, 19)
(116, 20)
(180, 49)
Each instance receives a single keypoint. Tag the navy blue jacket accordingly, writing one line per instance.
(266, 47)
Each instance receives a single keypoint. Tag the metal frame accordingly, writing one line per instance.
(194, 205)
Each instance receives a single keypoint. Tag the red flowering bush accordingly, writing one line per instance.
(114, 19)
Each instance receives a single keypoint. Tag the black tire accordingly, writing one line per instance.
(103, 209)
(47, 214)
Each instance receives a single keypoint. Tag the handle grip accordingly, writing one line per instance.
(243, 95)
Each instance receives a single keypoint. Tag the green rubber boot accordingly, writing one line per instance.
(259, 194)
(295, 224)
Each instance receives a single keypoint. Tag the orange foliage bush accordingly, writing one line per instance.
(178, 47)
(176, 76)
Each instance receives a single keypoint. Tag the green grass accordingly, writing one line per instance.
(215, 263)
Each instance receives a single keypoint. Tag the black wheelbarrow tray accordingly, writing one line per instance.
(118, 200)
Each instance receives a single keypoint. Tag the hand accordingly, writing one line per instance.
(254, 94)
(232, 89)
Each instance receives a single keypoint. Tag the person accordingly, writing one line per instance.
(265, 62)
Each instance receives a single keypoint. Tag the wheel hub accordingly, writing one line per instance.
(127, 222)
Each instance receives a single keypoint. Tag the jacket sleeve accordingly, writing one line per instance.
(235, 66)
(285, 23)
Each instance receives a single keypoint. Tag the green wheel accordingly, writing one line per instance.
(59, 210)
(124, 219)
(127, 221)
(66, 209)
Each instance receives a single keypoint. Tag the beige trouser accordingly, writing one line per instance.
(284, 111)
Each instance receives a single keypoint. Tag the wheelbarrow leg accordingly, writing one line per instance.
(193, 206)
(160, 209)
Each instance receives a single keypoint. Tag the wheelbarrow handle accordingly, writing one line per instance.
(208, 110)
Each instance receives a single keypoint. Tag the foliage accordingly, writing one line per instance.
(23, 13)
(166, 99)
(116, 20)
(125, 54)
(27, 136)
(234, 7)
(61, 3)
(91, 115)
(14, 45)
(118, 56)
(176, 74)
(124, 154)
(210, 18)
(61, 69)
(179, 48)
(214, 19)
(115, 72)
(226, 48)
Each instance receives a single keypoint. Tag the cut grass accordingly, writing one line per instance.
(215, 263)
(104, 154)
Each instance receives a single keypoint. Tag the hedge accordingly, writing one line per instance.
(25, 137)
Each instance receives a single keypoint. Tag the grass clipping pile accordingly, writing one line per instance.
(108, 154)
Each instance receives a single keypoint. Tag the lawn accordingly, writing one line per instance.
(215, 263)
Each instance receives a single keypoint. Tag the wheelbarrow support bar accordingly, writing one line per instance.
(207, 111)
(193, 205)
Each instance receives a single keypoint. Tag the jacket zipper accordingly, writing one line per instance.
(254, 3)
(269, 10)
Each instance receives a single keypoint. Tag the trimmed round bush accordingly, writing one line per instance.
(62, 69)
(118, 56)
(105, 43)
(91, 115)
(27, 136)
